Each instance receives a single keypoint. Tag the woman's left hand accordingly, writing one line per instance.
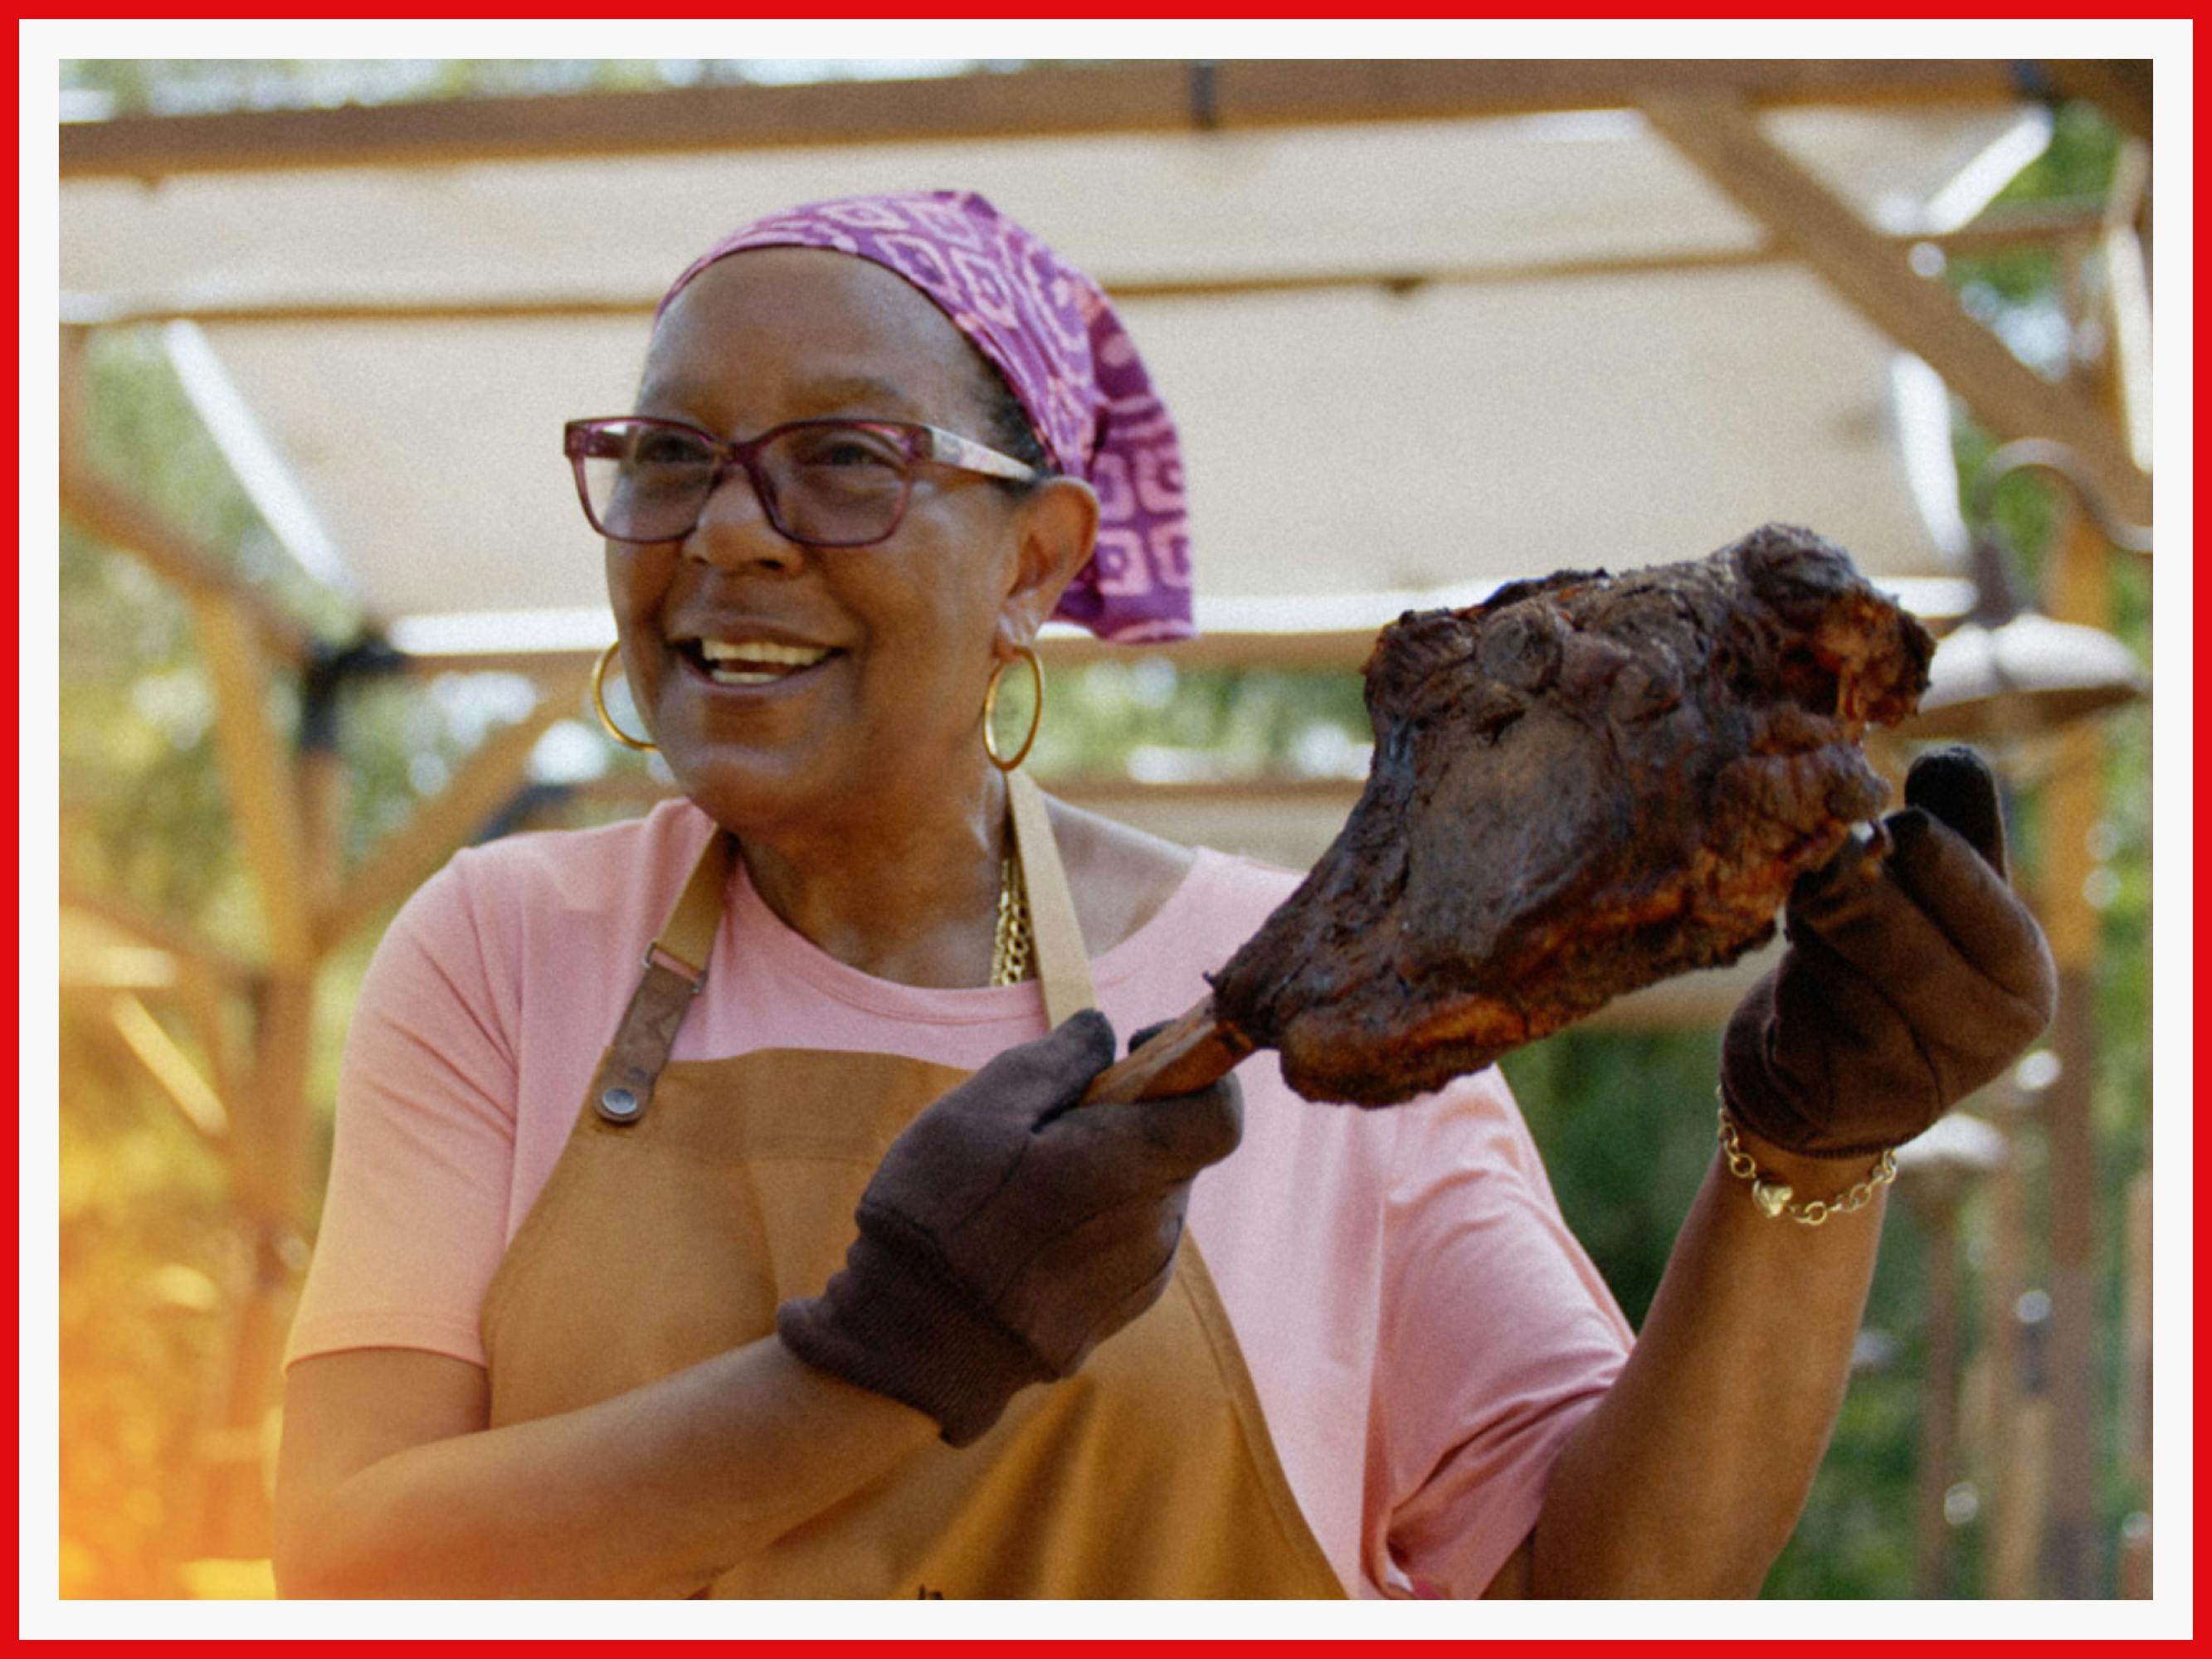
(1905, 987)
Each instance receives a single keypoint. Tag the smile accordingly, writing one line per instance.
(752, 662)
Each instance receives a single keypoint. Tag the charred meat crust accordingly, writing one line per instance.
(1580, 786)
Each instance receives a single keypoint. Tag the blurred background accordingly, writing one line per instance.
(328, 607)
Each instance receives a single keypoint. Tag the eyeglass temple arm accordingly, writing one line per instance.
(953, 450)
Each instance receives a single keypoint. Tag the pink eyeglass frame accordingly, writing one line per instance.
(918, 443)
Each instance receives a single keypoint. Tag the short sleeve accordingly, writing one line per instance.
(422, 1162)
(1498, 1336)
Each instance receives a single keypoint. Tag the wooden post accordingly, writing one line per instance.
(268, 1177)
(322, 822)
(2079, 591)
(2134, 1544)
(2072, 1542)
(2013, 1423)
(2137, 1336)
(1935, 1199)
(258, 770)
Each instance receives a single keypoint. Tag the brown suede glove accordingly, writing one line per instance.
(1004, 1236)
(1907, 985)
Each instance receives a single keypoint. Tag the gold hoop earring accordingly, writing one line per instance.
(991, 708)
(599, 704)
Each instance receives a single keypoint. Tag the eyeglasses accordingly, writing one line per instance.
(823, 484)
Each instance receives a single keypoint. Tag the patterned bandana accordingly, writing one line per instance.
(1053, 334)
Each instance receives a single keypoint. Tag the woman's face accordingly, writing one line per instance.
(908, 625)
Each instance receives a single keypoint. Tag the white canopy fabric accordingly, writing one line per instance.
(1410, 359)
(1403, 197)
(1350, 444)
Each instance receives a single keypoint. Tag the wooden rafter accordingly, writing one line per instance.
(1718, 132)
(2127, 296)
(159, 933)
(1314, 647)
(1039, 102)
(1338, 650)
(170, 1067)
(119, 518)
(257, 771)
(2041, 225)
(2121, 87)
(208, 1008)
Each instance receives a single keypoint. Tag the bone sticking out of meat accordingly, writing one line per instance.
(1581, 786)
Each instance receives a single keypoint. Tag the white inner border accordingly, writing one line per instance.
(43, 43)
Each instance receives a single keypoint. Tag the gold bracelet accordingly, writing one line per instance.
(1777, 1198)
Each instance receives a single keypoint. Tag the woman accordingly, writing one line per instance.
(637, 1347)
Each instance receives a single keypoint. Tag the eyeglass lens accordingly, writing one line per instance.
(828, 485)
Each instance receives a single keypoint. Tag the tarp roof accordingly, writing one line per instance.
(1410, 359)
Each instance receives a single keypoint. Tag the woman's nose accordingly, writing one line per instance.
(734, 530)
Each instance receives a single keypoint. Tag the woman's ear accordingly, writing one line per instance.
(1056, 527)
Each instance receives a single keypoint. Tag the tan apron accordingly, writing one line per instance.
(693, 1196)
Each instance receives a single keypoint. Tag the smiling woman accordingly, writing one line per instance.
(707, 1212)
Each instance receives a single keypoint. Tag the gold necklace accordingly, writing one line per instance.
(1012, 946)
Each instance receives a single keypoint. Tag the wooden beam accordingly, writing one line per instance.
(210, 1009)
(2058, 222)
(1721, 135)
(269, 1176)
(2121, 87)
(121, 520)
(270, 1138)
(323, 795)
(158, 931)
(169, 1066)
(1262, 92)
(73, 377)
(410, 854)
(1048, 101)
(1326, 650)
(2127, 297)
(257, 774)
(104, 310)
(1336, 651)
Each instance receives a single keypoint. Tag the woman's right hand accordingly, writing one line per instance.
(1005, 1235)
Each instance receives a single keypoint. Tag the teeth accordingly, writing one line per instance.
(795, 656)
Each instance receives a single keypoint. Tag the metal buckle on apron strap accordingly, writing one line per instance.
(648, 1031)
(619, 1106)
(659, 956)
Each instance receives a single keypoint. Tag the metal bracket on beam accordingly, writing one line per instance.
(330, 671)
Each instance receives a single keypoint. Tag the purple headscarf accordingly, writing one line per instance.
(1053, 334)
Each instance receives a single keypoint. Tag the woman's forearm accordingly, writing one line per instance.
(1689, 1477)
(652, 1492)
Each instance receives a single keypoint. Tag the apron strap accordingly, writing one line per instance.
(1063, 969)
(687, 940)
(642, 1043)
(675, 962)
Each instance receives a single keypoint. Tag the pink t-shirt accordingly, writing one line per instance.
(1421, 1328)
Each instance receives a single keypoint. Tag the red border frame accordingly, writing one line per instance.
(2201, 618)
